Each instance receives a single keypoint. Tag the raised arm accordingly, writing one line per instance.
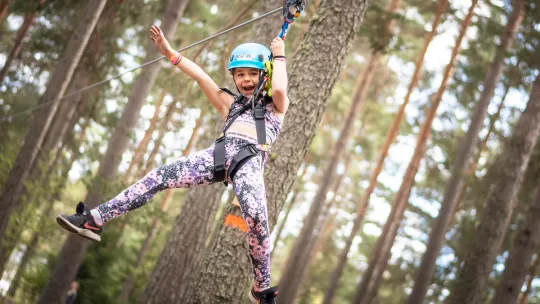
(279, 76)
(219, 99)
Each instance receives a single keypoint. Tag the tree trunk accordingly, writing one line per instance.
(367, 288)
(75, 106)
(310, 83)
(471, 282)
(185, 246)
(156, 222)
(532, 272)
(448, 204)
(74, 248)
(296, 265)
(517, 264)
(303, 261)
(29, 253)
(143, 145)
(13, 185)
(163, 128)
(269, 27)
(17, 44)
(4, 5)
(392, 133)
(474, 165)
(281, 225)
(127, 287)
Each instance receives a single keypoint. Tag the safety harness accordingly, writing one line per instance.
(258, 105)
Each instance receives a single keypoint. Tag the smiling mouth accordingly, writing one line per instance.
(248, 88)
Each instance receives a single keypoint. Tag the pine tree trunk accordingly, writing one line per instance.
(517, 264)
(127, 287)
(163, 128)
(4, 6)
(532, 272)
(392, 133)
(143, 145)
(474, 165)
(29, 253)
(303, 261)
(170, 281)
(448, 204)
(37, 130)
(298, 187)
(296, 264)
(310, 83)
(269, 24)
(74, 248)
(380, 256)
(156, 222)
(471, 282)
(17, 44)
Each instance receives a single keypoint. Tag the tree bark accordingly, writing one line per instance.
(127, 287)
(298, 185)
(29, 253)
(74, 248)
(296, 265)
(310, 83)
(517, 264)
(37, 130)
(474, 165)
(156, 222)
(183, 253)
(4, 6)
(17, 44)
(367, 288)
(269, 24)
(448, 204)
(143, 145)
(532, 272)
(471, 282)
(392, 133)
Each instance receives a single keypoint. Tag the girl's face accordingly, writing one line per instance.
(246, 79)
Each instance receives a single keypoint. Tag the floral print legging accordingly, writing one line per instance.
(198, 169)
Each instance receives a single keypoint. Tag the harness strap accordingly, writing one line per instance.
(259, 109)
(219, 159)
(241, 158)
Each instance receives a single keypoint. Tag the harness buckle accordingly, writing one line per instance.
(253, 149)
(258, 113)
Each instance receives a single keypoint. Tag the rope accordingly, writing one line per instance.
(141, 66)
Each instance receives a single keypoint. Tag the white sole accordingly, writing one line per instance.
(85, 233)
(252, 299)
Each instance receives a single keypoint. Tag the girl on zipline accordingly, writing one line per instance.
(252, 123)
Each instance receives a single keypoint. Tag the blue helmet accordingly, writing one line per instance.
(248, 55)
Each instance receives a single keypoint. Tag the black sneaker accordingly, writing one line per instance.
(81, 223)
(266, 296)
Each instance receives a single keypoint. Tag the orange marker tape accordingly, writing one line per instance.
(232, 220)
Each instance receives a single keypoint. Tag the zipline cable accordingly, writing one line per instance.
(141, 66)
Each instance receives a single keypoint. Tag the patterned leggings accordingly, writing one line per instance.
(198, 169)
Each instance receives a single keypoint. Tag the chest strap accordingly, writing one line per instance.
(259, 110)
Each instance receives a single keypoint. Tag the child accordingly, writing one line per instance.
(241, 152)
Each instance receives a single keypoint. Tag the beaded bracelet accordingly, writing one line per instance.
(275, 57)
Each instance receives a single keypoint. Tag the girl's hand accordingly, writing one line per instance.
(278, 47)
(162, 45)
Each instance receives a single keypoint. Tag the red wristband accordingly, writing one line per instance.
(175, 59)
